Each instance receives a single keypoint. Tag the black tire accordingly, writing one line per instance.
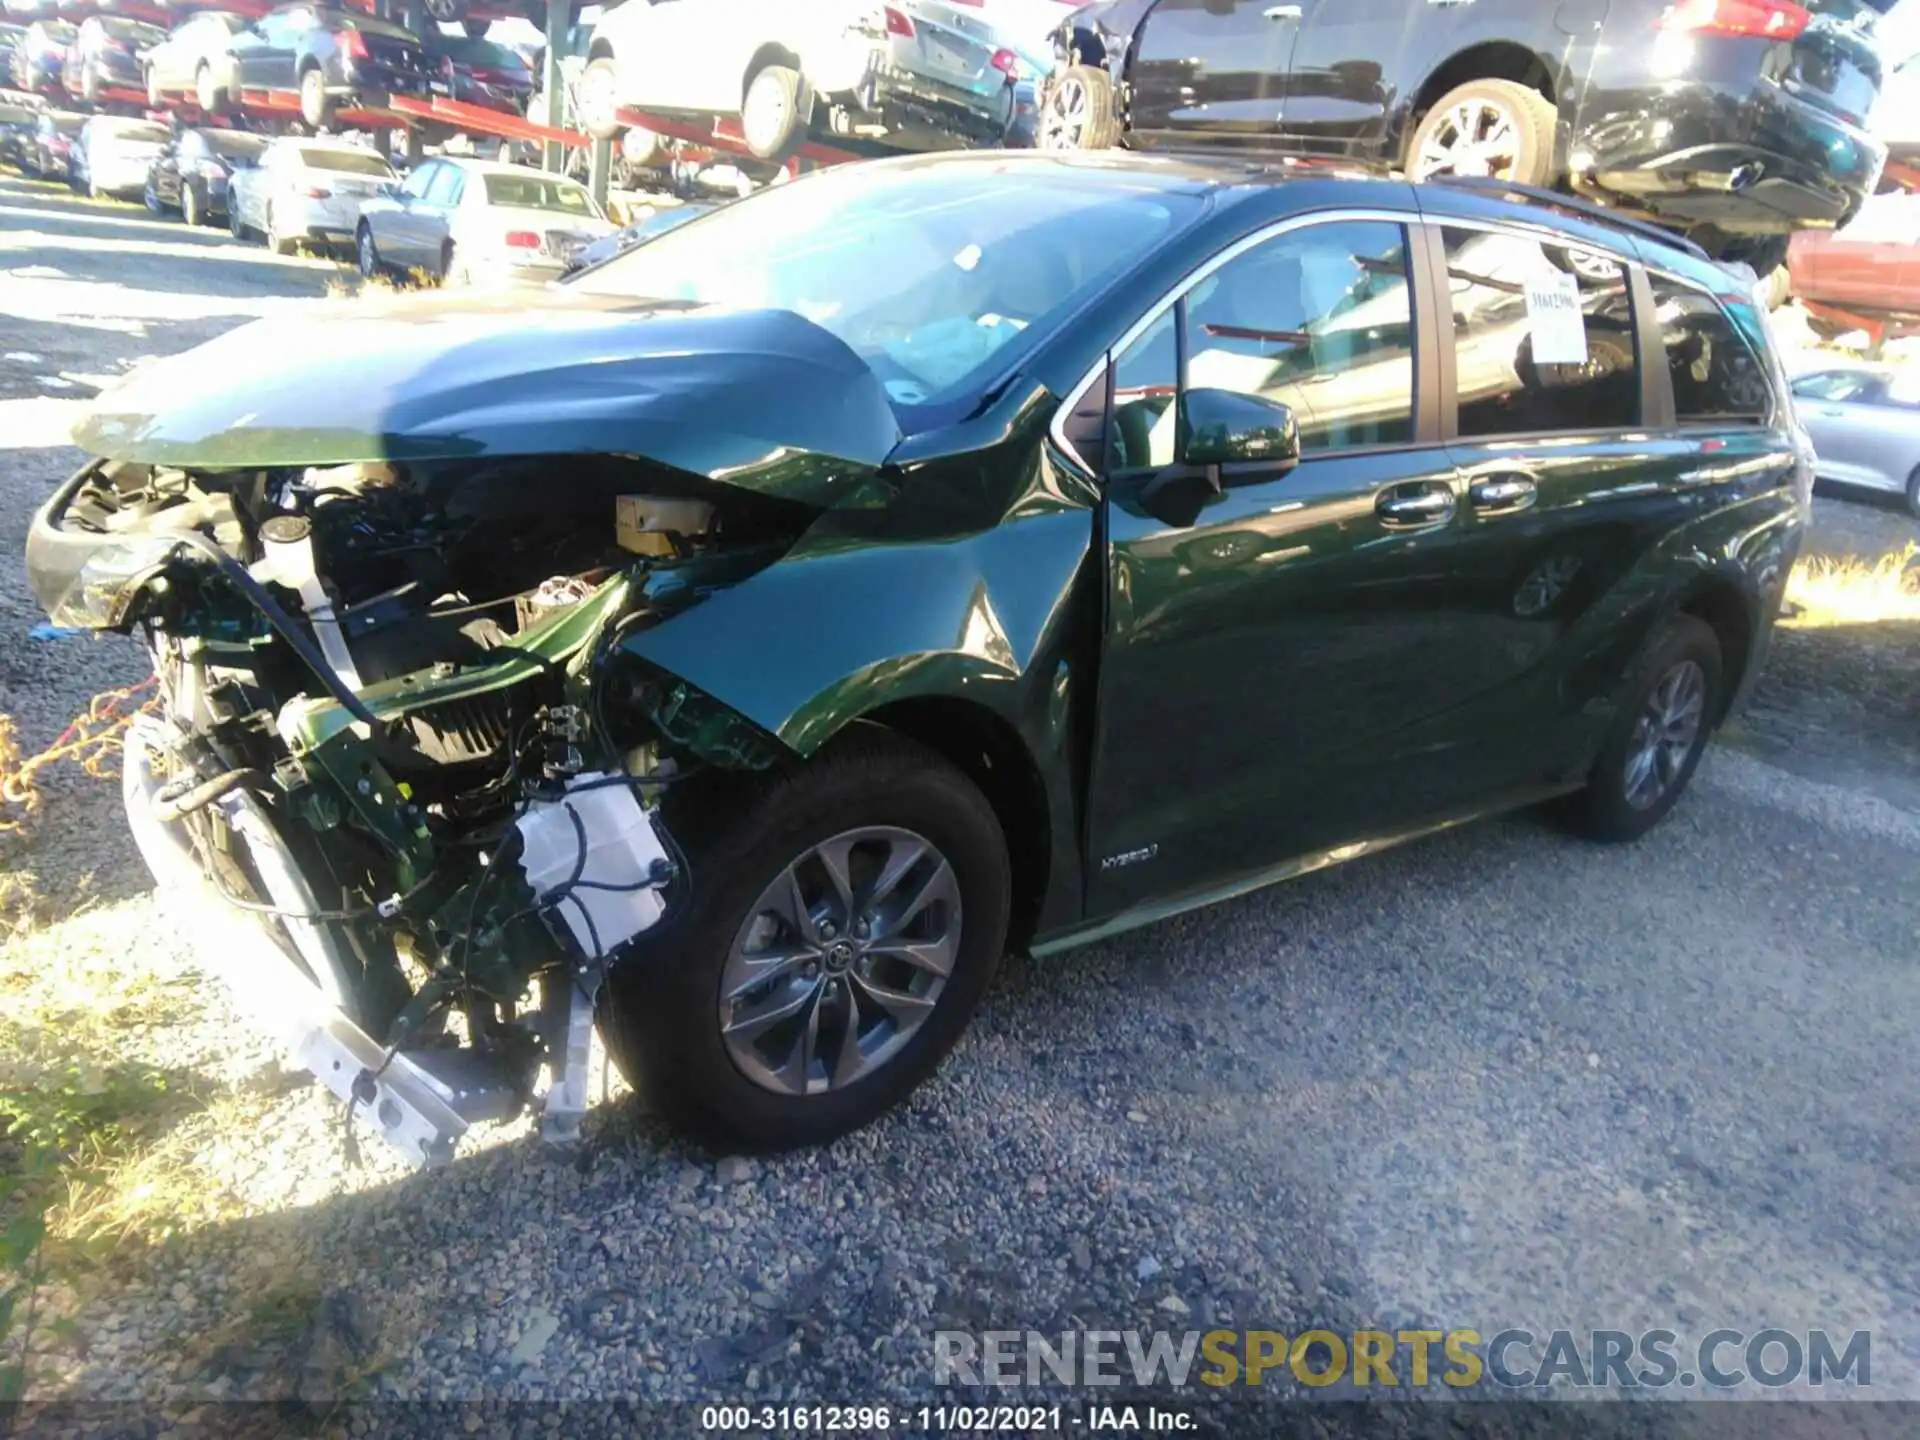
(1080, 111)
(366, 253)
(661, 1013)
(774, 112)
(476, 29)
(600, 98)
(445, 12)
(316, 107)
(207, 95)
(236, 227)
(1604, 811)
(1913, 494)
(446, 276)
(191, 210)
(1534, 120)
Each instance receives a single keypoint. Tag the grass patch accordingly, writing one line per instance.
(1826, 592)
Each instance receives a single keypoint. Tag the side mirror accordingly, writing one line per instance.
(1225, 427)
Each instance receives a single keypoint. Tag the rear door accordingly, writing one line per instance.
(1350, 67)
(1214, 68)
(1547, 405)
(1275, 673)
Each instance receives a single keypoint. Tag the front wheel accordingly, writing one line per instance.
(844, 921)
(1485, 128)
(316, 110)
(1667, 711)
(599, 98)
(191, 210)
(209, 96)
(366, 253)
(773, 112)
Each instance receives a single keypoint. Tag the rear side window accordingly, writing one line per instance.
(1542, 336)
(1717, 377)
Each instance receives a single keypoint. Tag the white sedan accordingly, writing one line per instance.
(470, 221)
(306, 191)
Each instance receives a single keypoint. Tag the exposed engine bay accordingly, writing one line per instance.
(399, 734)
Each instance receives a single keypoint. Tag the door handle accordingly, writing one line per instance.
(1502, 494)
(1408, 507)
(1282, 12)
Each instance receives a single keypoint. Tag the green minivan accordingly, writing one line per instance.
(741, 646)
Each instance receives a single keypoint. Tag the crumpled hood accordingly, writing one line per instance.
(763, 399)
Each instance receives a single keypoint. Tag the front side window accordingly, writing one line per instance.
(419, 180)
(446, 187)
(1717, 377)
(1319, 320)
(1542, 336)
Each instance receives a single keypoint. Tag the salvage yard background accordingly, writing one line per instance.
(1497, 1078)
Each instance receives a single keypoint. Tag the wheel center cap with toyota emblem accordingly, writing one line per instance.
(839, 957)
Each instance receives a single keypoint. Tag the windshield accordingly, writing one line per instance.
(933, 273)
(531, 192)
(346, 162)
(138, 130)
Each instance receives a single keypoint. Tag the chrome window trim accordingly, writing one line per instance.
(1407, 219)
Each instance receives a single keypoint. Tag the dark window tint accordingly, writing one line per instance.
(1716, 375)
(1542, 336)
(1318, 320)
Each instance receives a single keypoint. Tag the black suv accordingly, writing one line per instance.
(1739, 120)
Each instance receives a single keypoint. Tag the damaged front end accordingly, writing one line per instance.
(400, 750)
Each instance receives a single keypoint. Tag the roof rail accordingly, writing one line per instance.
(1586, 209)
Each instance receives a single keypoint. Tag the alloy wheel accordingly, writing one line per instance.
(598, 96)
(1064, 121)
(369, 258)
(1665, 734)
(1475, 137)
(840, 961)
(764, 113)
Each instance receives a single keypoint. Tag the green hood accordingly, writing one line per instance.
(762, 399)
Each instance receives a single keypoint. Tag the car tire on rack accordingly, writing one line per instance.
(476, 29)
(207, 95)
(775, 112)
(599, 97)
(316, 108)
(445, 12)
(1079, 112)
(878, 874)
(1494, 128)
(1667, 710)
(191, 210)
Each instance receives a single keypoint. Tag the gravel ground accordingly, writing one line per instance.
(1499, 1078)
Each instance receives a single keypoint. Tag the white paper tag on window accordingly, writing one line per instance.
(1553, 315)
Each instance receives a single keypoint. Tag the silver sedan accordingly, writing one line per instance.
(1865, 425)
(469, 222)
